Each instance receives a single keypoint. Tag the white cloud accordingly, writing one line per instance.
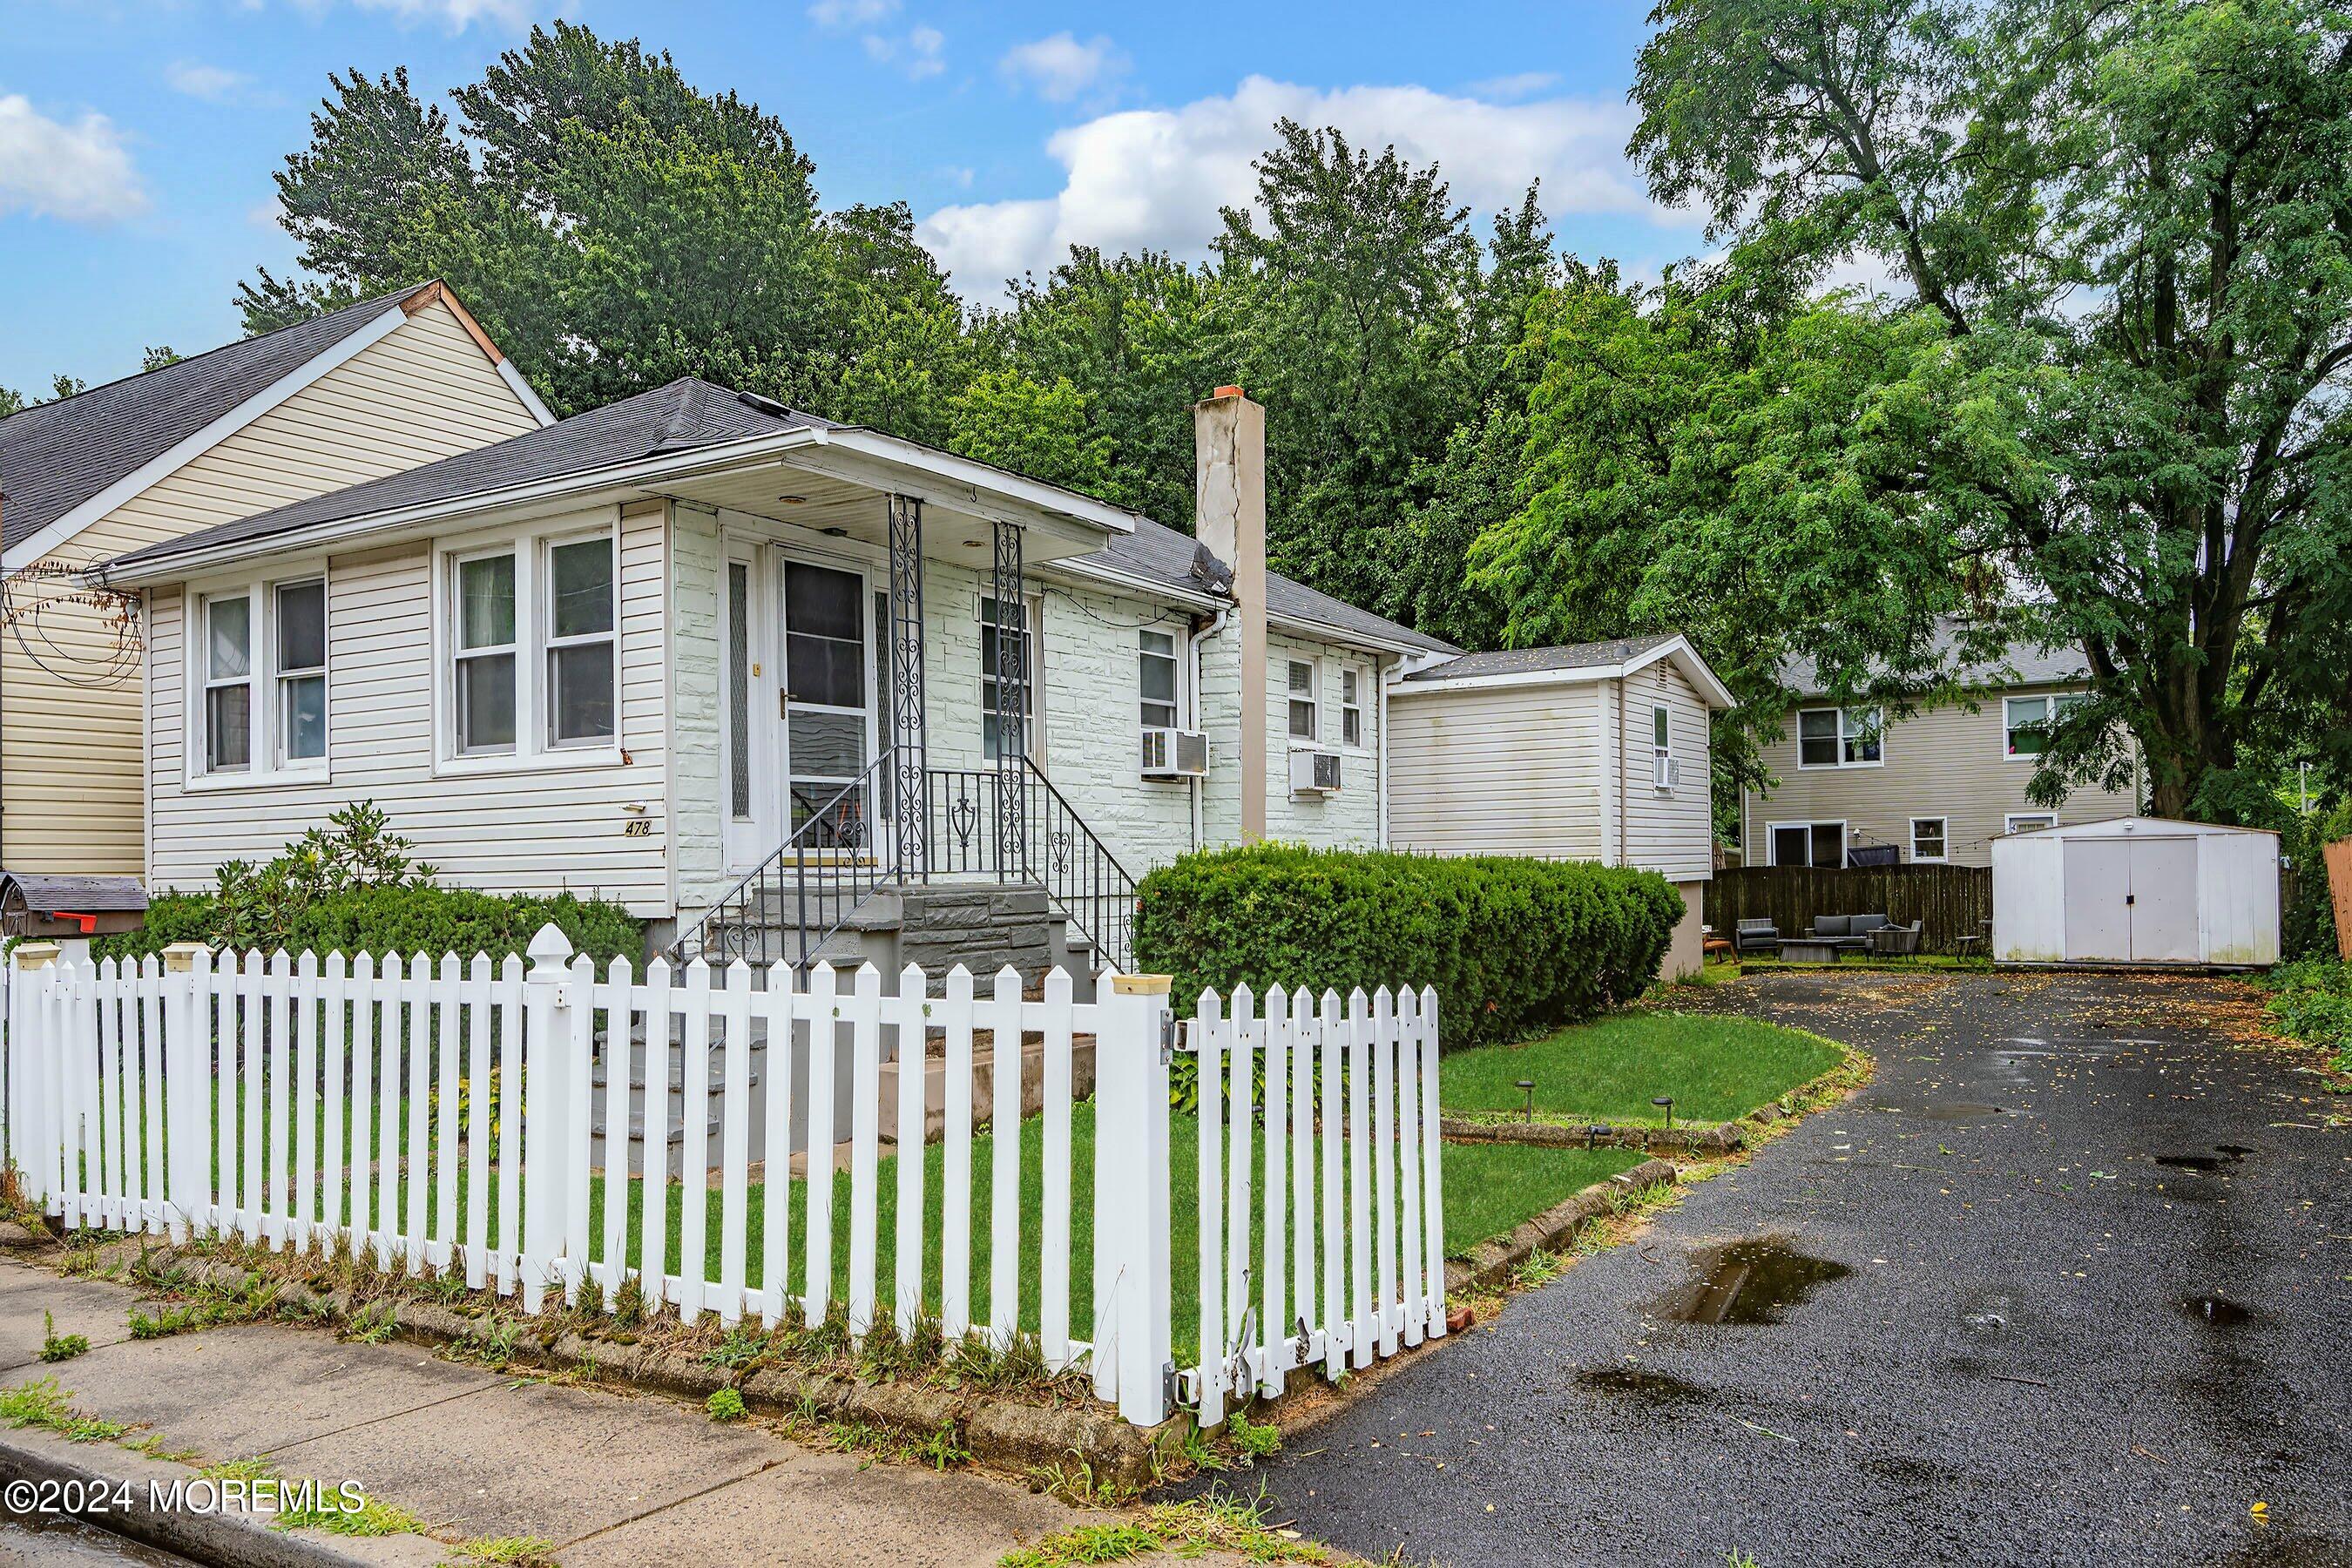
(214, 84)
(1521, 84)
(81, 173)
(922, 53)
(1157, 177)
(458, 15)
(835, 15)
(1060, 68)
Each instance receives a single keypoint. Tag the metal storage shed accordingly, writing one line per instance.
(2137, 890)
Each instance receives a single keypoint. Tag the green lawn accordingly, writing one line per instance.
(1716, 1069)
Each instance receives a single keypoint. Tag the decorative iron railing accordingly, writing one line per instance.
(988, 822)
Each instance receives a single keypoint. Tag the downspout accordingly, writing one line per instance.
(1381, 749)
(1199, 634)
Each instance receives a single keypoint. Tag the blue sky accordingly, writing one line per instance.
(137, 140)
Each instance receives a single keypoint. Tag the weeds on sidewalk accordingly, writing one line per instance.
(41, 1402)
(503, 1551)
(1219, 1523)
(56, 1346)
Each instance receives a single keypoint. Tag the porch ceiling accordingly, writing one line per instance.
(809, 491)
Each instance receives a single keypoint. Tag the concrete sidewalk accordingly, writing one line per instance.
(609, 1478)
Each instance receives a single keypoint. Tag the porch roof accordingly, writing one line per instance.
(691, 440)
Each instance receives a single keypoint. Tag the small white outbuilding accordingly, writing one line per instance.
(2137, 890)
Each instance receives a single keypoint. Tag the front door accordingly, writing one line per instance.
(827, 704)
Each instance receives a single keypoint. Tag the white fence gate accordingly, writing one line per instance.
(452, 1117)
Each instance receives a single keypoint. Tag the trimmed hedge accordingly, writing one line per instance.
(408, 919)
(1515, 947)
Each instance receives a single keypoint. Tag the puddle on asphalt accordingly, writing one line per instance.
(2224, 1155)
(1960, 1111)
(1642, 1383)
(2214, 1312)
(1751, 1281)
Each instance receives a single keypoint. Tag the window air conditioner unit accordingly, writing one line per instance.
(1667, 775)
(1175, 754)
(1313, 772)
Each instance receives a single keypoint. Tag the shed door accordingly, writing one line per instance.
(2097, 890)
(2163, 901)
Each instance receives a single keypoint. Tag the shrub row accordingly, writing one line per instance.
(2313, 1000)
(407, 919)
(1513, 946)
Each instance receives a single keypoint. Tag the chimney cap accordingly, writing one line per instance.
(1227, 392)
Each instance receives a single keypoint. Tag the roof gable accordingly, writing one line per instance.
(57, 458)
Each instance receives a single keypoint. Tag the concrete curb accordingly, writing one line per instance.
(88, 1470)
(1005, 1435)
(1491, 1262)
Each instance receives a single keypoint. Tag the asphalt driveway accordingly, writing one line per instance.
(2069, 1282)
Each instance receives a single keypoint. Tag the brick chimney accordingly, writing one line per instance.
(1229, 517)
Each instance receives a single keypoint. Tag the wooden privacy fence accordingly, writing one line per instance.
(1952, 901)
(548, 1130)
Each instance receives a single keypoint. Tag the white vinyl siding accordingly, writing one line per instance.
(1505, 769)
(558, 824)
(1667, 831)
(70, 755)
(1944, 762)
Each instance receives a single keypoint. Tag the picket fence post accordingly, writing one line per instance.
(550, 1067)
(187, 1077)
(33, 1062)
(1133, 1285)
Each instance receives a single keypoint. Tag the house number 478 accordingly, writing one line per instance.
(637, 827)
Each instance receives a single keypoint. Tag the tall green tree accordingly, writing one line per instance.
(2128, 226)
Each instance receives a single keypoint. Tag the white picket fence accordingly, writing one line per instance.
(450, 1117)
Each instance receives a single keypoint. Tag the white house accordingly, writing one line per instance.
(748, 673)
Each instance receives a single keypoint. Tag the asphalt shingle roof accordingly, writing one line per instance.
(1533, 660)
(56, 455)
(2023, 664)
(690, 413)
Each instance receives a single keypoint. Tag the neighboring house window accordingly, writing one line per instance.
(1306, 709)
(487, 624)
(1156, 658)
(1840, 738)
(1927, 841)
(988, 651)
(1662, 730)
(2026, 721)
(1820, 844)
(2031, 821)
(229, 684)
(581, 647)
(302, 610)
(1351, 707)
(261, 665)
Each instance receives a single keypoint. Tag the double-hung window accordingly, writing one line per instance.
(1929, 844)
(488, 623)
(1840, 738)
(1156, 659)
(532, 645)
(260, 671)
(301, 612)
(1012, 642)
(1305, 706)
(2026, 721)
(228, 683)
(1351, 707)
(580, 642)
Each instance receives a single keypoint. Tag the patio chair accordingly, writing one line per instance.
(1895, 941)
(1755, 936)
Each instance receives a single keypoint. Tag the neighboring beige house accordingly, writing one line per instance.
(369, 390)
(1937, 787)
(1595, 751)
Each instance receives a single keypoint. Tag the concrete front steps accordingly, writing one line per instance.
(982, 924)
